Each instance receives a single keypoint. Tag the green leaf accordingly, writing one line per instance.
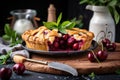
(74, 19)
(50, 25)
(2, 56)
(112, 3)
(6, 37)
(11, 35)
(111, 10)
(2, 62)
(92, 75)
(116, 16)
(65, 24)
(62, 30)
(59, 19)
(70, 25)
(61, 27)
(83, 1)
(13, 44)
(7, 29)
(14, 35)
(79, 23)
(117, 71)
(102, 1)
(19, 41)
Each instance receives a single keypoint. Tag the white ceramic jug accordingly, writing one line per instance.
(102, 23)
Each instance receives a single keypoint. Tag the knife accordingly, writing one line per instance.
(55, 65)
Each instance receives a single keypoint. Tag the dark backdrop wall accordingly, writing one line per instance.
(69, 8)
(40, 6)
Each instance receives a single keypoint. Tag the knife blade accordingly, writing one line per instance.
(63, 67)
(55, 65)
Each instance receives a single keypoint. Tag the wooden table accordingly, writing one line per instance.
(80, 62)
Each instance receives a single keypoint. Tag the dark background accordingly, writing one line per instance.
(69, 8)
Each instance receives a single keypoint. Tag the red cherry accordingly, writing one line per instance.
(102, 55)
(111, 47)
(105, 42)
(56, 44)
(80, 44)
(76, 46)
(57, 39)
(71, 40)
(62, 42)
(5, 73)
(19, 68)
(65, 37)
(91, 57)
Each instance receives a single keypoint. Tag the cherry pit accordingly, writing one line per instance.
(6, 73)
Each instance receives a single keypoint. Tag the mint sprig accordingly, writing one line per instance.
(4, 58)
(11, 36)
(92, 75)
(60, 26)
(78, 21)
(117, 71)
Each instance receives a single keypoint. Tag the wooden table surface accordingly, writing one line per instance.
(80, 62)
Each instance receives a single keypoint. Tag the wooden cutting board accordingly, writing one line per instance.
(80, 62)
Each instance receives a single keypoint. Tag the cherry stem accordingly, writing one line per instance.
(95, 56)
(101, 45)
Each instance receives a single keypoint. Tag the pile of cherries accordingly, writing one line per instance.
(66, 42)
(110, 46)
(6, 73)
(102, 55)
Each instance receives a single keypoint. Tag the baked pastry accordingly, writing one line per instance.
(43, 38)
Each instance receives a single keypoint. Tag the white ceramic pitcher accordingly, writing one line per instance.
(102, 23)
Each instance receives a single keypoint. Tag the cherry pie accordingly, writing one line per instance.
(43, 38)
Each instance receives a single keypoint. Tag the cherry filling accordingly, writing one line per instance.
(45, 32)
(66, 42)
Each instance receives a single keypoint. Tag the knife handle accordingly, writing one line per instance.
(21, 59)
(37, 61)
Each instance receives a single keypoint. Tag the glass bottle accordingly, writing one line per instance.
(23, 20)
